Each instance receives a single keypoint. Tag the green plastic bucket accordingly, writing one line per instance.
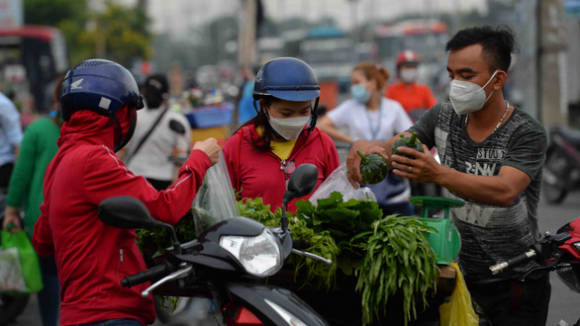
(446, 242)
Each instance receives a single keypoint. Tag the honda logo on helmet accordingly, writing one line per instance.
(77, 84)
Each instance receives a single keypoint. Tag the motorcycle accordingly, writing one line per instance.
(228, 262)
(559, 252)
(562, 167)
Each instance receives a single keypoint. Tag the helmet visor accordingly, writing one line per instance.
(295, 95)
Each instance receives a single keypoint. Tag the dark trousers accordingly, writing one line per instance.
(48, 298)
(514, 303)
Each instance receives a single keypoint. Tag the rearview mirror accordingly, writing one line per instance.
(301, 183)
(303, 180)
(126, 212)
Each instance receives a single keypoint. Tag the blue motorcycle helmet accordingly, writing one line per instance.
(289, 79)
(104, 87)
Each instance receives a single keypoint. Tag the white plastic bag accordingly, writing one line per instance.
(11, 275)
(215, 201)
(338, 181)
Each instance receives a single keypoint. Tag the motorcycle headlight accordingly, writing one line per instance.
(260, 255)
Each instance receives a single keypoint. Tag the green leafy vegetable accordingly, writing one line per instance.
(342, 219)
(155, 241)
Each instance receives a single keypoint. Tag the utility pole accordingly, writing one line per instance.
(551, 66)
(354, 19)
(247, 36)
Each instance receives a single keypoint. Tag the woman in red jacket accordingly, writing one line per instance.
(99, 102)
(265, 151)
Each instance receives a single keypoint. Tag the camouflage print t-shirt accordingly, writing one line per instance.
(490, 234)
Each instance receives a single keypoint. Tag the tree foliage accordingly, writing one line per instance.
(118, 32)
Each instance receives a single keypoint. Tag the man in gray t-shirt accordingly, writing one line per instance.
(489, 232)
(491, 158)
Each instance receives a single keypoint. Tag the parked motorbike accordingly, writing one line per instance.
(562, 167)
(559, 252)
(227, 263)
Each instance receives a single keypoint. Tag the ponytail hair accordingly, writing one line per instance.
(373, 71)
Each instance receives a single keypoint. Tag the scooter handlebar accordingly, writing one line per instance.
(147, 275)
(520, 259)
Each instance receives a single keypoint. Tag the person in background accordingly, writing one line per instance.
(246, 104)
(414, 97)
(11, 136)
(370, 116)
(492, 155)
(262, 155)
(37, 150)
(162, 136)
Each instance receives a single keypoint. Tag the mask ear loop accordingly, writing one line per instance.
(489, 81)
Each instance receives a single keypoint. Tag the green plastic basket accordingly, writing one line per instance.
(446, 241)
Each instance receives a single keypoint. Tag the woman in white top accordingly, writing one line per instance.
(371, 116)
(368, 115)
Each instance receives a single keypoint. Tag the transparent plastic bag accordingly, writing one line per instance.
(11, 275)
(215, 200)
(338, 181)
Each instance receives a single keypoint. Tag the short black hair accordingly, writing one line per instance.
(497, 44)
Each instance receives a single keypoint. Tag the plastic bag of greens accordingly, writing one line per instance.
(338, 181)
(215, 201)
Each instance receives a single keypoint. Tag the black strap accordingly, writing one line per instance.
(142, 141)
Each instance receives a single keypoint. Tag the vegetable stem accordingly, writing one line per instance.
(365, 160)
(413, 141)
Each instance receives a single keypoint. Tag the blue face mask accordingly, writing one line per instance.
(360, 93)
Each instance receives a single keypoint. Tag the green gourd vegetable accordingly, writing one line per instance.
(373, 168)
(410, 142)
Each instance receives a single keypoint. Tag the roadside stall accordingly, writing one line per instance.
(209, 117)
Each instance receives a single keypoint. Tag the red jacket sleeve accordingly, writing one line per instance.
(42, 237)
(106, 176)
(231, 150)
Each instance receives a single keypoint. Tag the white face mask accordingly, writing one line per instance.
(289, 128)
(468, 97)
(409, 75)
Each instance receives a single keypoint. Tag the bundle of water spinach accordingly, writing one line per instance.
(398, 258)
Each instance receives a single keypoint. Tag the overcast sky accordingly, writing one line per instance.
(176, 15)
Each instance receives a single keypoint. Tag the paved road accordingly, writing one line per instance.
(563, 305)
